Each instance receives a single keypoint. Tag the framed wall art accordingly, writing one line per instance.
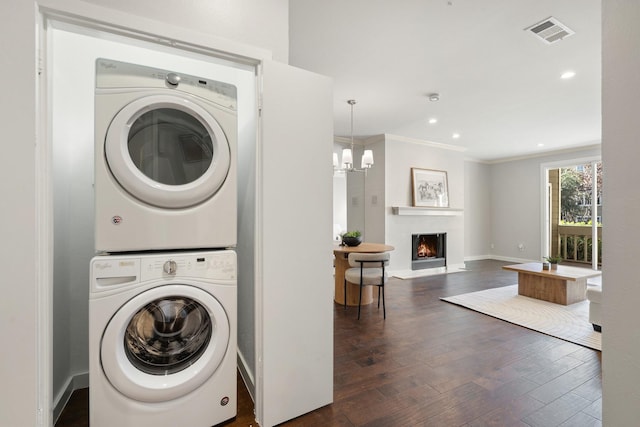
(430, 188)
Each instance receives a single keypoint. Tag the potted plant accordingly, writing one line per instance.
(352, 238)
(553, 261)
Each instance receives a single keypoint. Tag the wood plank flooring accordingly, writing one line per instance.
(436, 364)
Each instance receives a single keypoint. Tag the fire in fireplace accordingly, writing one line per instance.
(426, 248)
(428, 251)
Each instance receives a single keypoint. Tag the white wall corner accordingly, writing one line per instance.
(73, 383)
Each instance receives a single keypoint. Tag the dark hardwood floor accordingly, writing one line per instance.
(436, 364)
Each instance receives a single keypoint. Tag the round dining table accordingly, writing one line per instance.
(342, 264)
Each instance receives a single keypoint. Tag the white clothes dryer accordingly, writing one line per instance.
(162, 337)
(165, 160)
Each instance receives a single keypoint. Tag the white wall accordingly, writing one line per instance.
(72, 146)
(61, 290)
(261, 23)
(363, 203)
(401, 156)
(516, 196)
(247, 237)
(355, 196)
(374, 192)
(339, 197)
(339, 205)
(621, 252)
(477, 214)
(18, 217)
(515, 216)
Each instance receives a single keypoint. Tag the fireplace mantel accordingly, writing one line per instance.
(413, 210)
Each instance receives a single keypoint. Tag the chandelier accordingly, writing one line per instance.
(347, 154)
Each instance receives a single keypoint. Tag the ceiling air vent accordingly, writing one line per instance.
(550, 30)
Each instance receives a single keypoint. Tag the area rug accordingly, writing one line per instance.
(570, 323)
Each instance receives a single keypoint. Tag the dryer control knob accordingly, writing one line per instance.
(173, 79)
(170, 267)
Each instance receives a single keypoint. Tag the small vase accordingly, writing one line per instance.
(554, 266)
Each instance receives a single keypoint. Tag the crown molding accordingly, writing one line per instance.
(546, 154)
(424, 142)
(374, 139)
(343, 140)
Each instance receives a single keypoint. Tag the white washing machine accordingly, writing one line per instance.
(162, 337)
(165, 160)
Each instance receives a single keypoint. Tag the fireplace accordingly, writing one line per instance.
(428, 251)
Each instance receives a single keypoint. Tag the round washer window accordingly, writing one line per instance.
(167, 335)
(176, 327)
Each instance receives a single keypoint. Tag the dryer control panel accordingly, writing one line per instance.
(112, 74)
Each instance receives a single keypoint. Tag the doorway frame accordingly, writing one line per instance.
(545, 197)
(65, 14)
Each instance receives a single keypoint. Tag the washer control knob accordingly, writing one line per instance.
(173, 79)
(170, 267)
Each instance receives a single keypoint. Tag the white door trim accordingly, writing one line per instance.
(82, 17)
(544, 196)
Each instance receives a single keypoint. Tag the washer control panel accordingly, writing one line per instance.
(114, 271)
(219, 265)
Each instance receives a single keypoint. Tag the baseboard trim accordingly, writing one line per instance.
(477, 257)
(510, 259)
(247, 376)
(73, 383)
(499, 258)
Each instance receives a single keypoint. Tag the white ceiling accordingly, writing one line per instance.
(499, 86)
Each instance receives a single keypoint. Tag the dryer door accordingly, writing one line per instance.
(164, 343)
(167, 151)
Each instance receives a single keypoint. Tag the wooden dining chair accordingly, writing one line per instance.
(367, 269)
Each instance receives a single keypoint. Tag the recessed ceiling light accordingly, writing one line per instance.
(541, 145)
(568, 75)
(433, 121)
(434, 97)
(455, 136)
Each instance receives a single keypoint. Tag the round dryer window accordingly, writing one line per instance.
(164, 343)
(167, 151)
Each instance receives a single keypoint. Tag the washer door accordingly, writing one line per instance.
(167, 151)
(164, 343)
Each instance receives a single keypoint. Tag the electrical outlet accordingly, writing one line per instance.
(521, 247)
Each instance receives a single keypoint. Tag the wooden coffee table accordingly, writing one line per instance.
(566, 285)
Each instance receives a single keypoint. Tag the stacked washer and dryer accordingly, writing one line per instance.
(163, 296)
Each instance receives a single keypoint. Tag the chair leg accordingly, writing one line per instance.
(384, 309)
(378, 296)
(360, 299)
(345, 294)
